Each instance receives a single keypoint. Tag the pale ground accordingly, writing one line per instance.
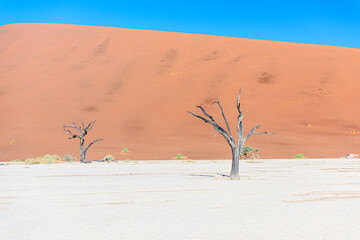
(275, 199)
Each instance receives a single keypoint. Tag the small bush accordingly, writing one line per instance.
(16, 160)
(109, 158)
(32, 161)
(249, 153)
(299, 156)
(179, 156)
(124, 150)
(69, 158)
(53, 157)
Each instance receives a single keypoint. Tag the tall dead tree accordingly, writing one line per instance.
(236, 146)
(83, 131)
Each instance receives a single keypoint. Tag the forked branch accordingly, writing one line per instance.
(215, 126)
(223, 114)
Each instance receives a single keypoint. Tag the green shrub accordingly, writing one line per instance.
(124, 150)
(16, 160)
(109, 158)
(69, 158)
(299, 156)
(249, 153)
(179, 156)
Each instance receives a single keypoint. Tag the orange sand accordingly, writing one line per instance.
(139, 84)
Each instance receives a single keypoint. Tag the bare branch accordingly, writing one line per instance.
(223, 114)
(215, 126)
(243, 115)
(238, 103)
(240, 128)
(93, 143)
(251, 132)
(215, 133)
(72, 135)
(240, 131)
(265, 133)
(206, 114)
(71, 126)
(213, 123)
(74, 126)
(202, 118)
(90, 126)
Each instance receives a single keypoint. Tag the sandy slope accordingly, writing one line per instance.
(139, 84)
(274, 200)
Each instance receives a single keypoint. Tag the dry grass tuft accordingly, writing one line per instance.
(46, 159)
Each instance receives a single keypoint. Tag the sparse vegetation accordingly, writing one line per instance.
(46, 159)
(109, 158)
(69, 158)
(249, 153)
(299, 156)
(16, 161)
(52, 157)
(179, 156)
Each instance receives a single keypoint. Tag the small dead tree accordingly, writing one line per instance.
(83, 131)
(236, 146)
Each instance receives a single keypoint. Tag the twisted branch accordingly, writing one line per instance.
(100, 139)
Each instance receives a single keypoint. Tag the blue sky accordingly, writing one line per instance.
(320, 22)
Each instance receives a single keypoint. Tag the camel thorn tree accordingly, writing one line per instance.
(83, 131)
(236, 146)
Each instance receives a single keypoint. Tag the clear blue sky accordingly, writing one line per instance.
(330, 22)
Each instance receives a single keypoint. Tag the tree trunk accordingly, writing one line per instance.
(82, 152)
(83, 156)
(234, 174)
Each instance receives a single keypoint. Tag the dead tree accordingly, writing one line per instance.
(236, 146)
(82, 133)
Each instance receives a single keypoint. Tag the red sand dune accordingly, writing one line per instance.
(139, 84)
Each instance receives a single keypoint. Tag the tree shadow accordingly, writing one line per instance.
(208, 175)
